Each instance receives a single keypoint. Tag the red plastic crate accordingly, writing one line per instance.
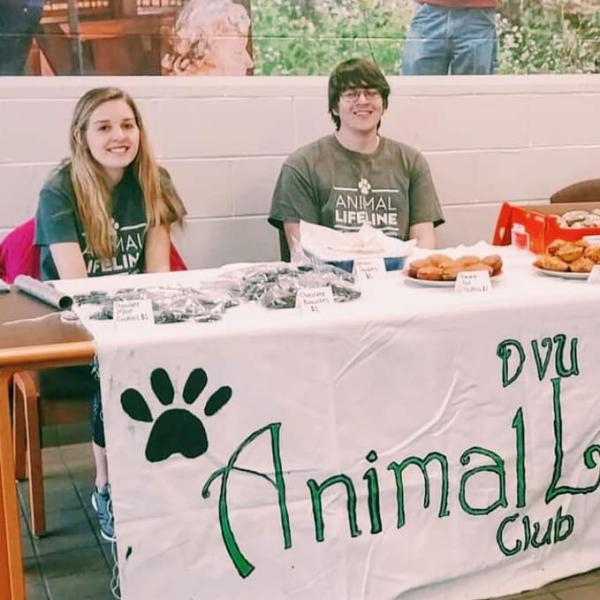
(534, 226)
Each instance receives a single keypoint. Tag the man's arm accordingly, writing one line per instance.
(425, 210)
(424, 234)
(292, 235)
(294, 199)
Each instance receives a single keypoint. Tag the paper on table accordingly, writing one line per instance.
(331, 245)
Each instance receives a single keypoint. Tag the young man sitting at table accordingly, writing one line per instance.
(355, 175)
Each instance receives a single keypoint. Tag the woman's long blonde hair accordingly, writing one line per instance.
(91, 184)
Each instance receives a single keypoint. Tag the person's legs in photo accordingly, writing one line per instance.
(18, 24)
(427, 47)
(474, 41)
(101, 498)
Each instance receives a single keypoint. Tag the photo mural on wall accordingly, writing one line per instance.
(296, 37)
(125, 37)
(210, 37)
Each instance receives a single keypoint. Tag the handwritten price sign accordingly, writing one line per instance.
(133, 311)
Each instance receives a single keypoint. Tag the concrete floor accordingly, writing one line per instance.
(72, 562)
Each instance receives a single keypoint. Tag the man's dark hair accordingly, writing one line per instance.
(355, 73)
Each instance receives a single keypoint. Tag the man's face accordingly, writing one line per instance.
(360, 110)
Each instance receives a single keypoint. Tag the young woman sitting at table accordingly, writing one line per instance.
(106, 210)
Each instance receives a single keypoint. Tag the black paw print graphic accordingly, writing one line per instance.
(176, 429)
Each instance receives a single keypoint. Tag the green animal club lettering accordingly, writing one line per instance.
(559, 527)
(496, 468)
(519, 426)
(528, 535)
(542, 357)
(422, 464)
(516, 532)
(372, 480)
(590, 455)
(243, 566)
(316, 493)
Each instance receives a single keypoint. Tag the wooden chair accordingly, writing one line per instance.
(582, 191)
(30, 413)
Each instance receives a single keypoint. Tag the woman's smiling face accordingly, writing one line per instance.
(113, 137)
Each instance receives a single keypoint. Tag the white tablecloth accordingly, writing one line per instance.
(311, 480)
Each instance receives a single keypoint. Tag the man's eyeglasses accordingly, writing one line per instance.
(353, 94)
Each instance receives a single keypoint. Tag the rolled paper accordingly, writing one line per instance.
(44, 292)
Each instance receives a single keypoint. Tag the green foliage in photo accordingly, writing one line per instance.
(309, 37)
(549, 36)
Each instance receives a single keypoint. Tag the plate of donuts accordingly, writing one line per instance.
(561, 274)
(432, 282)
(568, 260)
(440, 270)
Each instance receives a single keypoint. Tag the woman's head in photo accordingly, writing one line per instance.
(107, 133)
(106, 137)
(210, 38)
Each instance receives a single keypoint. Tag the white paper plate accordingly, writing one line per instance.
(378, 250)
(443, 284)
(561, 274)
(429, 282)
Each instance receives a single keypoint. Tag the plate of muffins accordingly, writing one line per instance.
(441, 270)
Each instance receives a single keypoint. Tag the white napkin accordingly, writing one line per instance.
(331, 245)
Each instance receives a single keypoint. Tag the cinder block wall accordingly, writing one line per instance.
(488, 139)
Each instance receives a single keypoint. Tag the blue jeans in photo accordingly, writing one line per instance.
(18, 24)
(456, 41)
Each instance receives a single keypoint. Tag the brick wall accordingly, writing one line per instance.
(487, 139)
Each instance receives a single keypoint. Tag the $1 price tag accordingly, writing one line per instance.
(368, 269)
(314, 300)
(133, 311)
(473, 281)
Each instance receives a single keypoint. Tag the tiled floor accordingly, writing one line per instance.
(72, 562)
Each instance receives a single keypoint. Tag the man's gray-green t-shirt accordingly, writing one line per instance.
(57, 221)
(327, 184)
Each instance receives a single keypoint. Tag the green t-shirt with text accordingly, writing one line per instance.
(57, 221)
(327, 184)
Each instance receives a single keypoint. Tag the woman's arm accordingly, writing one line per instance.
(68, 260)
(158, 247)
